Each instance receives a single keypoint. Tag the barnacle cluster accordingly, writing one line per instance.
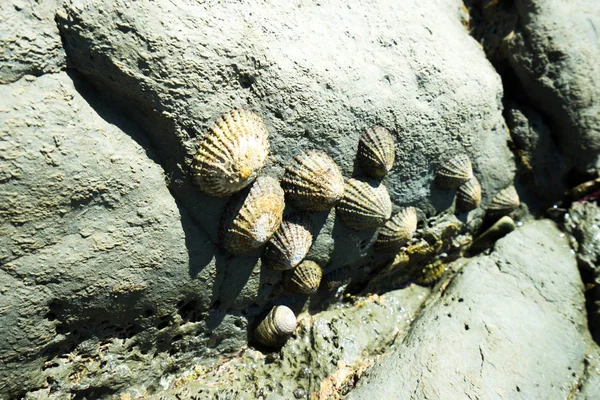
(229, 160)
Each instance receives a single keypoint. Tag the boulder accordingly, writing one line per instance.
(554, 52)
(512, 324)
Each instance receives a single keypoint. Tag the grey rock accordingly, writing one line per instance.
(542, 165)
(555, 53)
(176, 67)
(321, 358)
(511, 325)
(108, 252)
(93, 244)
(29, 39)
(583, 223)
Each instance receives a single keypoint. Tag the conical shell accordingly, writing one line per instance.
(252, 218)
(397, 231)
(504, 202)
(365, 204)
(454, 172)
(231, 154)
(277, 326)
(289, 245)
(305, 278)
(468, 196)
(313, 181)
(430, 274)
(376, 151)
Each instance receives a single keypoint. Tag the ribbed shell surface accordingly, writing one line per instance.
(365, 204)
(313, 181)
(251, 219)
(397, 231)
(305, 278)
(376, 151)
(289, 245)
(454, 172)
(504, 202)
(277, 326)
(430, 273)
(231, 154)
(468, 195)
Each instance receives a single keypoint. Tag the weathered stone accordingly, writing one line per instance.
(556, 57)
(93, 244)
(511, 325)
(29, 39)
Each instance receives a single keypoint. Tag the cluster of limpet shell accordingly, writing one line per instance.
(228, 161)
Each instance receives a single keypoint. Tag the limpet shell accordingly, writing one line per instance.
(365, 204)
(504, 202)
(289, 245)
(305, 278)
(376, 151)
(276, 327)
(468, 195)
(430, 274)
(454, 172)
(313, 181)
(231, 154)
(252, 218)
(397, 231)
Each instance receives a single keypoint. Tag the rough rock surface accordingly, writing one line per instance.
(110, 273)
(327, 352)
(511, 325)
(183, 64)
(93, 244)
(555, 52)
(29, 39)
(583, 223)
(543, 168)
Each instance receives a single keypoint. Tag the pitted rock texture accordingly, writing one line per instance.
(94, 248)
(177, 66)
(555, 53)
(512, 324)
(29, 40)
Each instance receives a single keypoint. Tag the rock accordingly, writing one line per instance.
(176, 68)
(512, 324)
(542, 166)
(109, 252)
(555, 54)
(29, 39)
(322, 359)
(583, 223)
(94, 247)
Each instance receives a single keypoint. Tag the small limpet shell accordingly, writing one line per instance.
(505, 201)
(376, 151)
(289, 245)
(454, 172)
(365, 204)
(397, 231)
(430, 274)
(277, 326)
(468, 195)
(231, 154)
(305, 278)
(251, 219)
(313, 181)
